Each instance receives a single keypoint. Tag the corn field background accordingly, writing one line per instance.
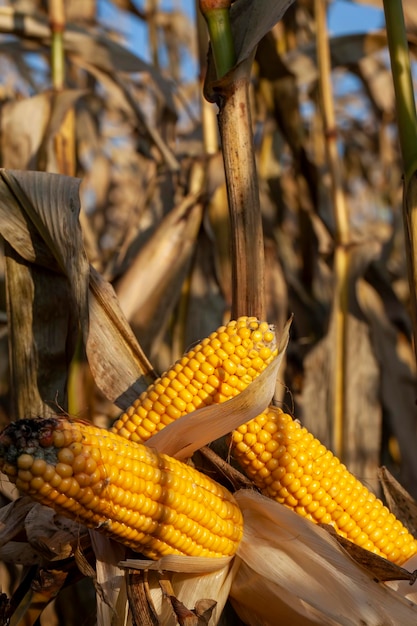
(124, 112)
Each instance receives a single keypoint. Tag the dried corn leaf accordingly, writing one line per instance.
(51, 536)
(90, 46)
(397, 386)
(118, 364)
(381, 569)
(361, 438)
(29, 127)
(251, 21)
(151, 287)
(399, 501)
(44, 587)
(12, 518)
(39, 219)
(47, 270)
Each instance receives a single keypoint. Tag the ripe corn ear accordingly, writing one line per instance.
(215, 370)
(148, 501)
(291, 466)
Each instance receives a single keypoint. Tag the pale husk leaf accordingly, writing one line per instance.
(192, 579)
(195, 430)
(109, 579)
(302, 566)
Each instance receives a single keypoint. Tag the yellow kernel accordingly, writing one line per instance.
(37, 483)
(361, 539)
(226, 390)
(269, 336)
(25, 461)
(82, 479)
(265, 353)
(59, 438)
(173, 411)
(38, 467)
(250, 439)
(212, 360)
(320, 513)
(229, 366)
(63, 470)
(222, 354)
(158, 407)
(186, 396)
(184, 380)
(213, 381)
(66, 456)
(200, 377)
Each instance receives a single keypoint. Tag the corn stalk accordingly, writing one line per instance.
(407, 132)
(341, 253)
(231, 92)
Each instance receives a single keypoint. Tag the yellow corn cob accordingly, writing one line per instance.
(213, 371)
(148, 501)
(289, 465)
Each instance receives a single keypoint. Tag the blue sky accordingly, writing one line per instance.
(344, 17)
(348, 17)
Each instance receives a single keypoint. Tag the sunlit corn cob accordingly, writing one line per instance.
(289, 465)
(215, 370)
(148, 501)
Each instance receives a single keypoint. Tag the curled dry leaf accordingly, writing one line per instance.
(381, 569)
(39, 220)
(119, 366)
(47, 283)
(53, 537)
(399, 501)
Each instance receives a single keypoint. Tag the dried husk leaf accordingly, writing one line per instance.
(290, 560)
(141, 606)
(192, 578)
(194, 430)
(109, 578)
(381, 569)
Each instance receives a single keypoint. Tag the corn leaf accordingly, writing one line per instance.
(151, 287)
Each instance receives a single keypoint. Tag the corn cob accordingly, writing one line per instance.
(148, 501)
(215, 370)
(289, 465)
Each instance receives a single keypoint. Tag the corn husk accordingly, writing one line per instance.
(304, 576)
